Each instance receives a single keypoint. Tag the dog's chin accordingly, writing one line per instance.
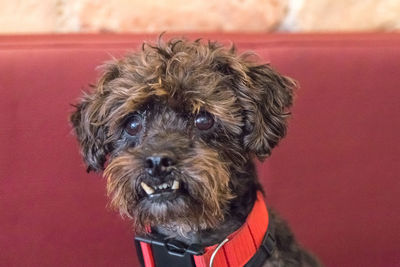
(167, 204)
(165, 208)
(161, 197)
(187, 198)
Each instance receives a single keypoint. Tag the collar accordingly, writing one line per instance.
(251, 244)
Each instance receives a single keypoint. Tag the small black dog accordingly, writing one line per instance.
(179, 123)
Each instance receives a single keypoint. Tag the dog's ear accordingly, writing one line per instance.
(264, 94)
(266, 97)
(89, 121)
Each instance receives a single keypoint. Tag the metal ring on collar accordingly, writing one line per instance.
(216, 250)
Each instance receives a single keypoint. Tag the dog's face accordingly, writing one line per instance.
(178, 123)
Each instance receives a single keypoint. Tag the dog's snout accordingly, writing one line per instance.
(158, 165)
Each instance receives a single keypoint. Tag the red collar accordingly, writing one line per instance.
(237, 249)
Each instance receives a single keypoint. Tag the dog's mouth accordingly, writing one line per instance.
(162, 190)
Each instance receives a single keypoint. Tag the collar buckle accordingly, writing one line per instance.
(168, 252)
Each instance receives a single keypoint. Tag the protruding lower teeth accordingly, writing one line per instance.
(147, 188)
(175, 185)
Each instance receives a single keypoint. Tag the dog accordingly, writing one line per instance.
(174, 128)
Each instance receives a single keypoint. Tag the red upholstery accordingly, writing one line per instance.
(335, 177)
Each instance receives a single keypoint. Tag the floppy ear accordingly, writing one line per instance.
(266, 97)
(89, 122)
(264, 94)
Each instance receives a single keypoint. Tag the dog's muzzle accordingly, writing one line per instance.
(159, 168)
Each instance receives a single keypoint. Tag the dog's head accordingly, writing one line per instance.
(178, 123)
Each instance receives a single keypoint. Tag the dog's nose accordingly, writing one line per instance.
(158, 165)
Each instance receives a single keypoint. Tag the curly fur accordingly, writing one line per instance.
(169, 83)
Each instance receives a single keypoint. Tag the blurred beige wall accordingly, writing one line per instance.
(53, 16)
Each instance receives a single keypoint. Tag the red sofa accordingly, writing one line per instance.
(335, 177)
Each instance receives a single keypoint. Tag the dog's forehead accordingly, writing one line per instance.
(189, 95)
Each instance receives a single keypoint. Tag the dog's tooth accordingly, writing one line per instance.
(147, 188)
(175, 185)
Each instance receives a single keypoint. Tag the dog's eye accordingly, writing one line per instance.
(133, 125)
(204, 121)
